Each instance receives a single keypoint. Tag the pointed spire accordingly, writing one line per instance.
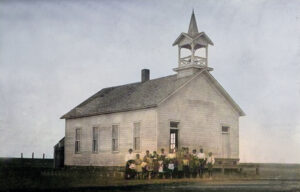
(193, 29)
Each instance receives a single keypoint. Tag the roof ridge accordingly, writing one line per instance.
(139, 82)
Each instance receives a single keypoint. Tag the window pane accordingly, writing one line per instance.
(136, 130)
(174, 124)
(95, 133)
(225, 129)
(77, 134)
(95, 145)
(137, 143)
(77, 140)
(77, 146)
(115, 144)
(115, 131)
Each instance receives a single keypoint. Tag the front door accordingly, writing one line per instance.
(173, 139)
(225, 145)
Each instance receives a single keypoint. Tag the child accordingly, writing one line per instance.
(162, 161)
(210, 162)
(155, 164)
(160, 169)
(138, 166)
(202, 160)
(194, 164)
(171, 167)
(171, 163)
(144, 169)
(149, 167)
(186, 166)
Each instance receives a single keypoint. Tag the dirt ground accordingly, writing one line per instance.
(273, 177)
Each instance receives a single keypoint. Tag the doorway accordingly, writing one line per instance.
(225, 142)
(173, 139)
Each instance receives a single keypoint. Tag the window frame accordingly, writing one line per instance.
(174, 128)
(78, 138)
(134, 137)
(96, 139)
(225, 126)
(117, 138)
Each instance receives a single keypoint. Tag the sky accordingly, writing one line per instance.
(56, 54)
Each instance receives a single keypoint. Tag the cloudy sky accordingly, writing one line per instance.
(55, 54)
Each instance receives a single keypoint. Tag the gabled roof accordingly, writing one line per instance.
(127, 97)
(193, 33)
(185, 35)
(139, 95)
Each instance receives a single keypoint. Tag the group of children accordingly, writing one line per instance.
(176, 164)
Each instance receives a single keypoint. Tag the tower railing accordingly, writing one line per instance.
(201, 61)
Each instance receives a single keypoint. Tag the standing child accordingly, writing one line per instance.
(202, 160)
(194, 164)
(155, 164)
(149, 167)
(161, 163)
(186, 165)
(171, 168)
(210, 162)
(138, 166)
(179, 163)
(171, 163)
(144, 169)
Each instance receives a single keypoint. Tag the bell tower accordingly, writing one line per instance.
(196, 46)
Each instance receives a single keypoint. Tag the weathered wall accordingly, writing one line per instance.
(105, 156)
(201, 110)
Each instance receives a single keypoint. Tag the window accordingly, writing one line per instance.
(136, 136)
(115, 138)
(77, 140)
(174, 124)
(225, 129)
(95, 139)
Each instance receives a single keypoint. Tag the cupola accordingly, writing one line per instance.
(196, 44)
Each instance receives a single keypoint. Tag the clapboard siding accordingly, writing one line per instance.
(199, 106)
(105, 156)
(201, 110)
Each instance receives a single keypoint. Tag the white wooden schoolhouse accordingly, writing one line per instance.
(187, 109)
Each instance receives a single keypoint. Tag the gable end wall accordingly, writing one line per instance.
(201, 110)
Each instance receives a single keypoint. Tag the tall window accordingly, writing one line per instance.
(115, 138)
(77, 140)
(95, 139)
(136, 136)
